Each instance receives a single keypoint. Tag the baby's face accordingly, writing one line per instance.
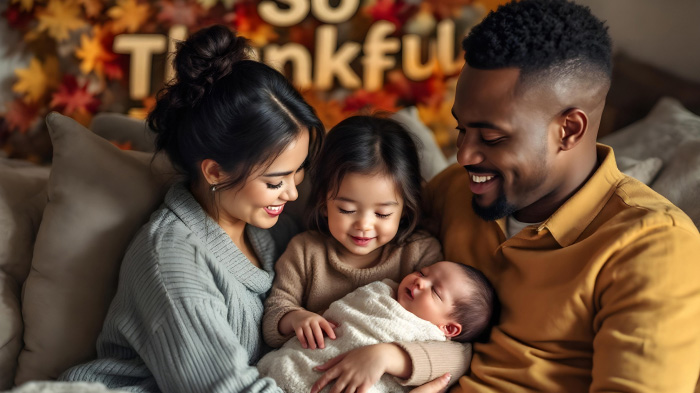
(432, 292)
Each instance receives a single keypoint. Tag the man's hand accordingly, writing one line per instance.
(309, 328)
(437, 385)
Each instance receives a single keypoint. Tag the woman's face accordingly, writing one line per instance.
(263, 196)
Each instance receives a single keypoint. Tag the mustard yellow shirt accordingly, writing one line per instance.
(604, 295)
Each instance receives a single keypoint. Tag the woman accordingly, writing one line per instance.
(187, 313)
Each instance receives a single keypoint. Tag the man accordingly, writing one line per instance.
(596, 273)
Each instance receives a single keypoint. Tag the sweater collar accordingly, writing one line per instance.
(188, 210)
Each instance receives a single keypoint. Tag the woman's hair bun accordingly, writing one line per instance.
(207, 56)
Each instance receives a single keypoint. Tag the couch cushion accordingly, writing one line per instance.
(672, 133)
(642, 170)
(22, 200)
(432, 160)
(124, 129)
(98, 197)
(666, 128)
(680, 180)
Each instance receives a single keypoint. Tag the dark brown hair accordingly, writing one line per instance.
(478, 311)
(225, 107)
(367, 145)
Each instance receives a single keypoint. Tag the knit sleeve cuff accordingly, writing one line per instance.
(432, 359)
(271, 322)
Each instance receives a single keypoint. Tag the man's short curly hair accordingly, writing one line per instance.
(540, 36)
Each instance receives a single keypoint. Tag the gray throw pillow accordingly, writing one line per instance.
(98, 197)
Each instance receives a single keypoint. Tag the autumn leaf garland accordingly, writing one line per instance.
(74, 69)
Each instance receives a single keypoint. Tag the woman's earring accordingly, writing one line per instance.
(213, 188)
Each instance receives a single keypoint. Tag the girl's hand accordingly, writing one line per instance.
(309, 328)
(437, 385)
(361, 368)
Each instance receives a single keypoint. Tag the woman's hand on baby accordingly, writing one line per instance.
(309, 328)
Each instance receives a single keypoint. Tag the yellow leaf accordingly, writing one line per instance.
(207, 4)
(128, 15)
(59, 18)
(34, 82)
(261, 35)
(92, 53)
(24, 5)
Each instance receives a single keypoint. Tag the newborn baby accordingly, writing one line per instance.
(442, 301)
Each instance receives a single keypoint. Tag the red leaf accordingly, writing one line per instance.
(70, 97)
(179, 12)
(394, 11)
(20, 115)
(16, 18)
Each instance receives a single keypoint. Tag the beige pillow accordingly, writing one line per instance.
(680, 180)
(98, 197)
(432, 160)
(22, 201)
(124, 129)
(642, 170)
(666, 128)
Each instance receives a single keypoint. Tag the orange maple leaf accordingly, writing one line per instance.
(329, 111)
(93, 8)
(33, 82)
(60, 18)
(365, 101)
(122, 145)
(128, 15)
(437, 115)
(71, 98)
(21, 115)
(141, 113)
(491, 5)
(83, 117)
(249, 24)
(92, 52)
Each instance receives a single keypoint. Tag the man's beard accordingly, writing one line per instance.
(500, 208)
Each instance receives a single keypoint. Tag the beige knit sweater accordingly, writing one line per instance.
(310, 275)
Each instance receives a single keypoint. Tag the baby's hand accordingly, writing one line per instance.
(309, 328)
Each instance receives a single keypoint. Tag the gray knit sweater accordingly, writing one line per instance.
(188, 309)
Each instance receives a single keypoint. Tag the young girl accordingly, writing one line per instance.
(365, 203)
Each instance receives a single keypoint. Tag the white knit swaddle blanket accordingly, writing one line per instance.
(368, 315)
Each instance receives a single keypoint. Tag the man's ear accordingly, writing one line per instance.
(451, 329)
(212, 172)
(573, 126)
